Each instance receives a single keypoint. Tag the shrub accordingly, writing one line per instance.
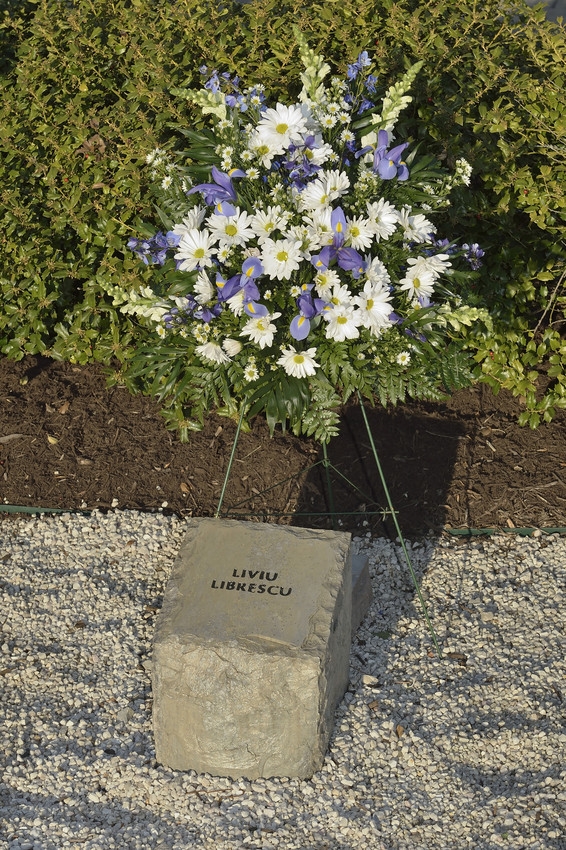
(86, 95)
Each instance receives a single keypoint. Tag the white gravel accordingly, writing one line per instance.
(464, 752)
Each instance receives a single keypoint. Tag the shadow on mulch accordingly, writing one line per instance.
(67, 441)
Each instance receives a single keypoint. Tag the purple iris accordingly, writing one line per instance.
(309, 307)
(362, 61)
(221, 190)
(244, 282)
(347, 258)
(153, 251)
(473, 255)
(388, 163)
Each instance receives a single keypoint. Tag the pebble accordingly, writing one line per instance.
(464, 751)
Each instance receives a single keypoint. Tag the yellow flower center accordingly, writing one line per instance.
(298, 358)
(282, 128)
(199, 253)
(416, 283)
(342, 320)
(231, 229)
(369, 303)
(282, 256)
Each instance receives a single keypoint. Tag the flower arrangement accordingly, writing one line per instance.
(298, 262)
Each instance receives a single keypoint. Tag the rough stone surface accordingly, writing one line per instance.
(251, 651)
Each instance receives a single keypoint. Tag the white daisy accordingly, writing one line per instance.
(284, 123)
(264, 148)
(375, 307)
(195, 250)
(236, 303)
(231, 229)
(319, 225)
(417, 227)
(321, 192)
(265, 222)
(325, 282)
(213, 352)
(383, 218)
(280, 259)
(231, 346)
(299, 364)
(204, 290)
(359, 233)
(375, 271)
(418, 282)
(340, 295)
(403, 358)
(192, 221)
(437, 264)
(342, 324)
(261, 329)
(319, 153)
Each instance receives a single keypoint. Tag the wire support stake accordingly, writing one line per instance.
(231, 461)
(398, 530)
(326, 464)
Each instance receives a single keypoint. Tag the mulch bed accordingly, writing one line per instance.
(67, 441)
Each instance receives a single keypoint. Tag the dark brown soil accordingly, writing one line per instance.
(66, 441)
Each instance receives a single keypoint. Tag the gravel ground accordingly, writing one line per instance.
(464, 752)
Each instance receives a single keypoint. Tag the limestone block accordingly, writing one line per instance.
(251, 651)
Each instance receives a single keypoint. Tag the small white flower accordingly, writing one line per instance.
(166, 182)
(403, 358)
(299, 364)
(250, 371)
(261, 329)
(212, 351)
(328, 121)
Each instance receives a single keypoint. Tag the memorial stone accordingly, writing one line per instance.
(251, 651)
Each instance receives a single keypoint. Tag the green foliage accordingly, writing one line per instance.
(86, 95)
